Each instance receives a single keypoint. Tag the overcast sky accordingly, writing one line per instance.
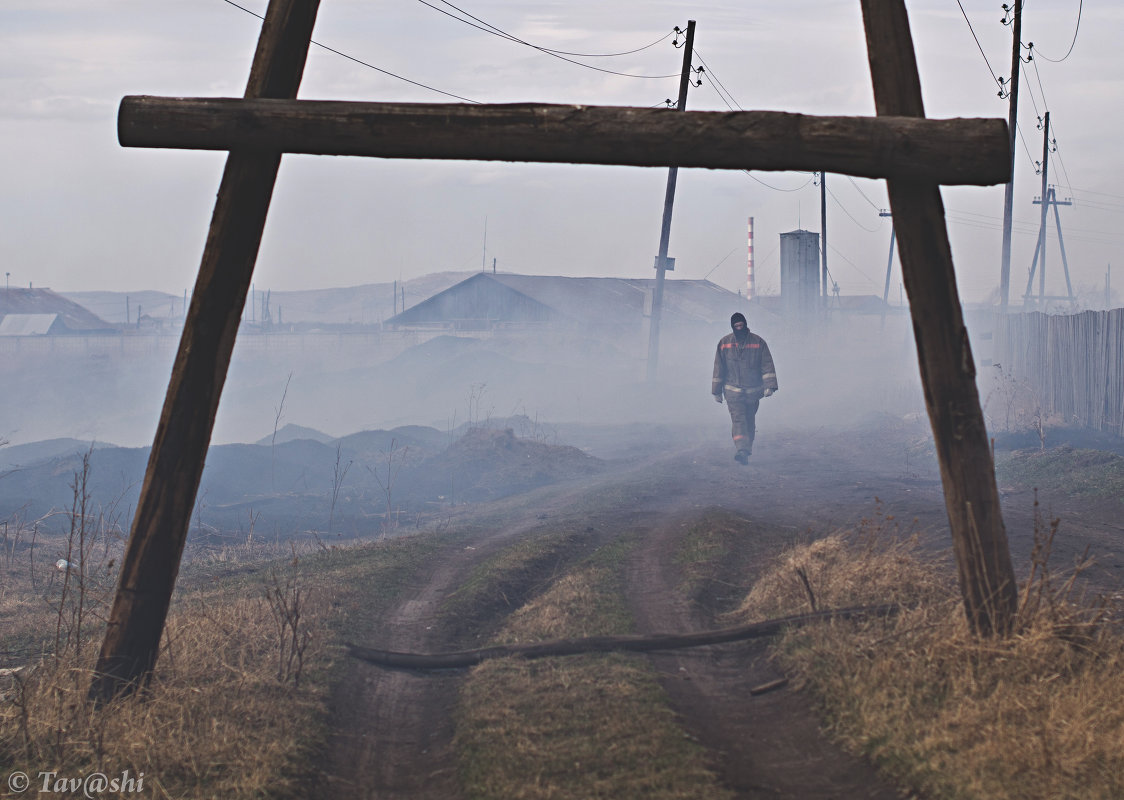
(81, 213)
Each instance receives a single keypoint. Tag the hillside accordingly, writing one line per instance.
(367, 304)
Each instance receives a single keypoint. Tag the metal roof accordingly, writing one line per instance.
(26, 324)
(587, 300)
(72, 318)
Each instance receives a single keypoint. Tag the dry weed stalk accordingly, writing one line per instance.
(392, 453)
(287, 600)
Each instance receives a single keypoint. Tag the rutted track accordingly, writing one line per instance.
(393, 729)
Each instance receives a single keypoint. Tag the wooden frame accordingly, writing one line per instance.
(914, 154)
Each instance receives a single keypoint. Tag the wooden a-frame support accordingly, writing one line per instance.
(914, 155)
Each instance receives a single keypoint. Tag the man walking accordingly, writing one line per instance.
(743, 374)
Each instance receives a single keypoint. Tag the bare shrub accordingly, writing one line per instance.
(287, 600)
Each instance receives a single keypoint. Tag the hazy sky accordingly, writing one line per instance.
(81, 213)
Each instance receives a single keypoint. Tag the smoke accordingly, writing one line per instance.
(111, 389)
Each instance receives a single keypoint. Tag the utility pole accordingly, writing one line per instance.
(1012, 126)
(889, 264)
(890, 259)
(1040, 250)
(152, 556)
(662, 260)
(1045, 208)
(823, 233)
(1051, 199)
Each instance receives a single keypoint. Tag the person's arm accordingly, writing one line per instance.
(719, 379)
(768, 371)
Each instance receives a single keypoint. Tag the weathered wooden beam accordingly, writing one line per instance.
(175, 465)
(949, 151)
(948, 372)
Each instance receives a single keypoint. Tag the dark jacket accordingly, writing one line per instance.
(744, 365)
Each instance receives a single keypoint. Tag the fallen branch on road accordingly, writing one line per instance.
(605, 644)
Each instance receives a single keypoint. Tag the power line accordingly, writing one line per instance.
(720, 263)
(364, 63)
(860, 191)
(848, 213)
(718, 83)
(835, 250)
(1046, 105)
(1038, 77)
(1102, 194)
(1058, 153)
(492, 29)
(980, 46)
(1030, 91)
(733, 105)
(1080, 5)
(776, 188)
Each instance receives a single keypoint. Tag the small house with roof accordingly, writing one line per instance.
(489, 301)
(41, 312)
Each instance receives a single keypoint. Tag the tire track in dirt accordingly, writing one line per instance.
(392, 735)
(392, 730)
(764, 746)
(768, 746)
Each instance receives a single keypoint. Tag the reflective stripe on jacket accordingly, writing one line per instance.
(747, 365)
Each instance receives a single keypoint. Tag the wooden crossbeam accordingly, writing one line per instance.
(946, 151)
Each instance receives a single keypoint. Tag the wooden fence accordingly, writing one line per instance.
(1074, 364)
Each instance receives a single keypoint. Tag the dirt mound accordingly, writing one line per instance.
(486, 464)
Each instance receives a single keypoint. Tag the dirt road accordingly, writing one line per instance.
(394, 729)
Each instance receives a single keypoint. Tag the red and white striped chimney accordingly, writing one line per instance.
(751, 289)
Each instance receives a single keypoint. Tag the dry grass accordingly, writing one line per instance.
(589, 726)
(221, 717)
(1037, 715)
(1077, 472)
(237, 706)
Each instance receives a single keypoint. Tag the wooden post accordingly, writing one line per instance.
(1012, 127)
(665, 224)
(987, 580)
(175, 465)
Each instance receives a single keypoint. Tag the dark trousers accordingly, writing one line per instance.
(743, 416)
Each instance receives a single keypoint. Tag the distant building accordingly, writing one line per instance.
(800, 273)
(41, 312)
(492, 301)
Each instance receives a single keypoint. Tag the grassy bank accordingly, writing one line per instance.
(1035, 716)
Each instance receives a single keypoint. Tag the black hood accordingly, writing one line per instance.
(744, 332)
